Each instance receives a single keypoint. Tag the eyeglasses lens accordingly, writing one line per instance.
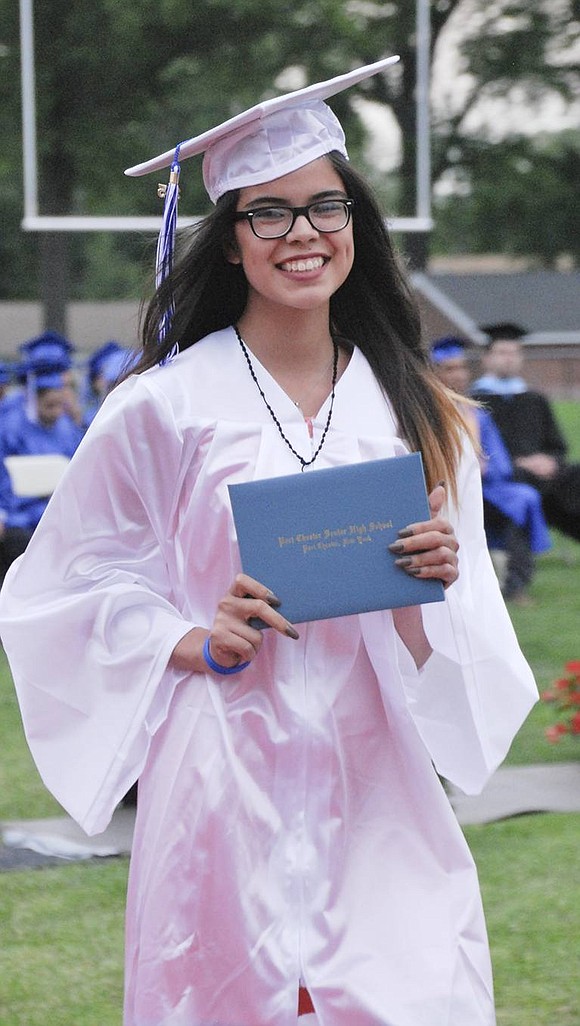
(275, 222)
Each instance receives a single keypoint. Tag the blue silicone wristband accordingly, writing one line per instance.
(217, 667)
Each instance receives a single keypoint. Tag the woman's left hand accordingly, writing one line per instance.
(429, 549)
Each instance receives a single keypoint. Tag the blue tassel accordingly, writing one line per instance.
(166, 247)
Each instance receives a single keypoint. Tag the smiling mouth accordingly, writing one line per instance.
(311, 264)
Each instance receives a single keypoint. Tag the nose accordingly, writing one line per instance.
(302, 228)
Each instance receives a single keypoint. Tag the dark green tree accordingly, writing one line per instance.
(520, 199)
(119, 82)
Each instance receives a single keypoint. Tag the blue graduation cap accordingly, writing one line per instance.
(116, 363)
(100, 356)
(49, 351)
(48, 379)
(450, 347)
(110, 362)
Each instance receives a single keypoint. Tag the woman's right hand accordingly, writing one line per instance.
(232, 639)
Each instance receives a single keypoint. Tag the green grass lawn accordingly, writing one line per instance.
(528, 868)
(568, 414)
(62, 928)
(62, 945)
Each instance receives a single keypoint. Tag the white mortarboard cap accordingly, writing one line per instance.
(269, 140)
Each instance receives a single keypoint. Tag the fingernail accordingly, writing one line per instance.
(272, 599)
(292, 632)
(413, 570)
(396, 546)
(442, 484)
(406, 532)
(405, 561)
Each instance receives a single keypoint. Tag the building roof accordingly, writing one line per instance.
(547, 303)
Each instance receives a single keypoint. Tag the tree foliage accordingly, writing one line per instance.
(520, 199)
(119, 82)
(521, 51)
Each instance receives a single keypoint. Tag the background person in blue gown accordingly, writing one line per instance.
(514, 521)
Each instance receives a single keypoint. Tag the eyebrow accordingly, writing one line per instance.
(281, 201)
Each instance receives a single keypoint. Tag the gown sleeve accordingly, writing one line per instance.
(476, 689)
(88, 615)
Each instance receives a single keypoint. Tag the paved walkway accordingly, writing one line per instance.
(40, 842)
(512, 791)
(517, 790)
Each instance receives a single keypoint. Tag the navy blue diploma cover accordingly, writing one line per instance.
(319, 540)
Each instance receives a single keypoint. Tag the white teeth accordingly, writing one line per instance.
(303, 265)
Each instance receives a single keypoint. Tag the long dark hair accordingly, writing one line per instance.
(374, 308)
(207, 291)
(377, 309)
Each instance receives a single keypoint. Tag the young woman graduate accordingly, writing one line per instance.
(294, 848)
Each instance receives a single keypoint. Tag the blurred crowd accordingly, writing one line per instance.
(47, 401)
(529, 484)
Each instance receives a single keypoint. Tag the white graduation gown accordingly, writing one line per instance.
(291, 824)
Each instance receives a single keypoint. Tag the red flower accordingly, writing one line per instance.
(555, 732)
(562, 684)
(564, 693)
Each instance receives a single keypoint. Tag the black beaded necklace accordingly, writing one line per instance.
(303, 463)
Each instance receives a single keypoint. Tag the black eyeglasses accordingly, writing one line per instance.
(330, 215)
